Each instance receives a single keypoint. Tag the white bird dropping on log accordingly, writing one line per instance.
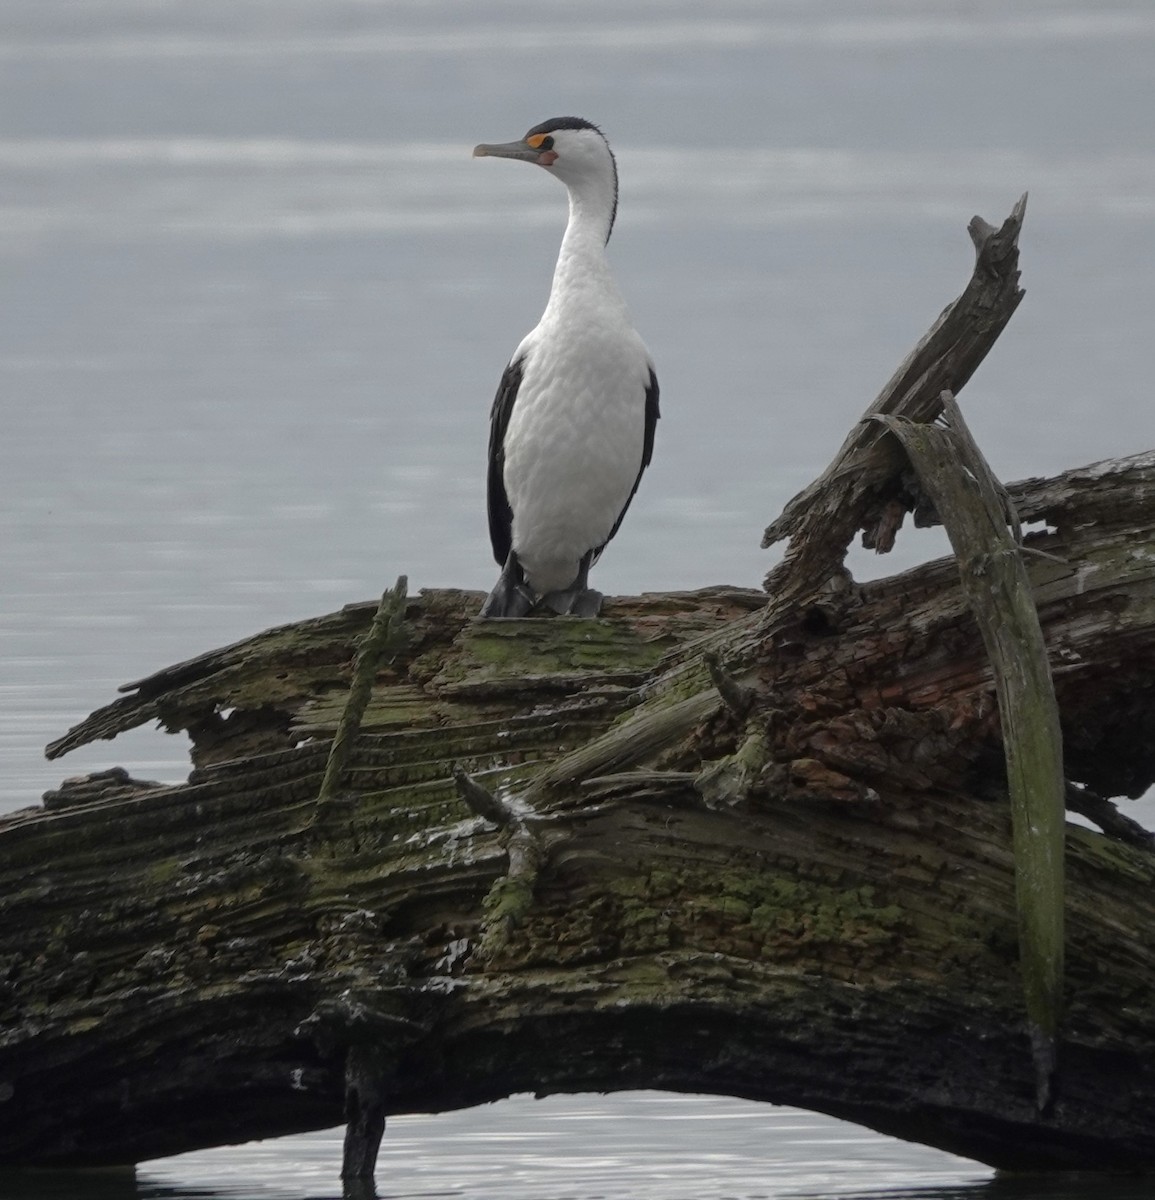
(572, 425)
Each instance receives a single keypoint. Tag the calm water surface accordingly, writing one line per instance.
(643, 1146)
(257, 297)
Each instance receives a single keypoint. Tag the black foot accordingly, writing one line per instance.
(511, 596)
(579, 599)
(574, 602)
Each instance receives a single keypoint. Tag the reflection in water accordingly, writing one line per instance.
(1033, 1187)
(624, 1146)
(119, 1184)
(123, 1185)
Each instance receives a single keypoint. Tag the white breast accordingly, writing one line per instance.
(574, 444)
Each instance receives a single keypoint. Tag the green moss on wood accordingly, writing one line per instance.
(541, 648)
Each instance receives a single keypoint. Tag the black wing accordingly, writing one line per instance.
(500, 514)
(652, 415)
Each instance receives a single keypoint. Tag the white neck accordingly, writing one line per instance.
(581, 262)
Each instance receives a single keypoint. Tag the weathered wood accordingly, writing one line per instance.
(862, 489)
(288, 684)
(386, 634)
(840, 933)
(366, 1100)
(976, 511)
(718, 841)
(1107, 817)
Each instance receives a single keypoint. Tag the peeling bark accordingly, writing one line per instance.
(718, 841)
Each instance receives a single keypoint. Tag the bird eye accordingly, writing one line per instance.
(540, 141)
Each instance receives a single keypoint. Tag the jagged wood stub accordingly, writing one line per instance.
(386, 636)
(862, 488)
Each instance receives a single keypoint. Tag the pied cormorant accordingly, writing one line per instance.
(572, 425)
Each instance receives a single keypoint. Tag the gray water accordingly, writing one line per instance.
(256, 297)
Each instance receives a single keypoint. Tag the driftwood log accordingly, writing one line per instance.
(731, 841)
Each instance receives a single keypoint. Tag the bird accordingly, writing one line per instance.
(572, 425)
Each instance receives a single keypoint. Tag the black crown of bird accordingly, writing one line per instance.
(572, 424)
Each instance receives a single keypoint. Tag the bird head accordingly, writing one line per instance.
(568, 147)
(573, 149)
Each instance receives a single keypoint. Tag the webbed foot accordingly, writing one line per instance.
(574, 602)
(511, 596)
(579, 599)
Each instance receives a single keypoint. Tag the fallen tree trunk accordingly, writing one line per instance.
(719, 841)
